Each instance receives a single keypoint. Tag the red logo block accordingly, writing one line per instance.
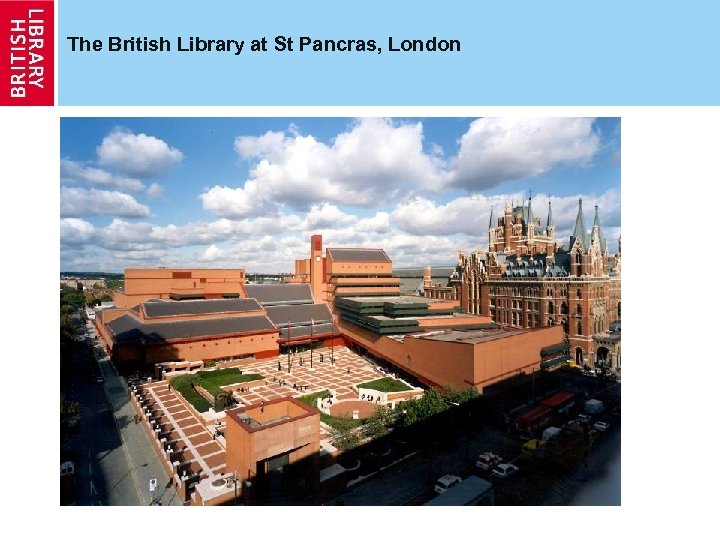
(27, 52)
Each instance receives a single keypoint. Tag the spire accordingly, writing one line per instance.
(492, 217)
(580, 232)
(549, 220)
(596, 223)
(530, 214)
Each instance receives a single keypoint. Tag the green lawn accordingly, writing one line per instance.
(311, 399)
(210, 381)
(386, 384)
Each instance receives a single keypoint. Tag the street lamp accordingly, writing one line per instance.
(312, 323)
(235, 486)
(332, 340)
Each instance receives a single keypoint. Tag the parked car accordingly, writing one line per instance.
(446, 482)
(487, 461)
(601, 426)
(99, 379)
(584, 418)
(503, 470)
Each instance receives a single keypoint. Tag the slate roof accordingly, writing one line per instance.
(287, 293)
(303, 314)
(580, 231)
(199, 307)
(522, 267)
(304, 331)
(358, 255)
(127, 328)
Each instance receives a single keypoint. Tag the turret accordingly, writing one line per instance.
(508, 222)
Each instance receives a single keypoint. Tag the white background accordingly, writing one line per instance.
(670, 217)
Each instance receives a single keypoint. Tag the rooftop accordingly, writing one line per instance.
(173, 308)
(468, 336)
(127, 328)
(358, 254)
(276, 294)
(299, 314)
(271, 413)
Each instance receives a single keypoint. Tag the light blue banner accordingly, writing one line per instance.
(510, 53)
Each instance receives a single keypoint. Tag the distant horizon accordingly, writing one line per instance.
(247, 272)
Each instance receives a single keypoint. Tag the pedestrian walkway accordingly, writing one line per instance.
(144, 463)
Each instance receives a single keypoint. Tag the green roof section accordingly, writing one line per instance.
(547, 364)
(553, 349)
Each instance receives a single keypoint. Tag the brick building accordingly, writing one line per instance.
(527, 280)
(341, 272)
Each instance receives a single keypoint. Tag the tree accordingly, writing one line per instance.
(430, 404)
(69, 414)
(345, 434)
(458, 396)
(380, 422)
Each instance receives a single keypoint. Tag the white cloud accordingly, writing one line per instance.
(155, 191)
(74, 172)
(464, 215)
(211, 253)
(140, 155)
(326, 215)
(370, 163)
(78, 202)
(237, 203)
(267, 146)
(75, 231)
(495, 150)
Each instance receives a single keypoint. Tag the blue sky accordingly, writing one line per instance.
(249, 192)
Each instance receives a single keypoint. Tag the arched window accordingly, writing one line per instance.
(551, 308)
(579, 309)
(580, 329)
(564, 309)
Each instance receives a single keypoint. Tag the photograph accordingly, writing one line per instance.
(339, 311)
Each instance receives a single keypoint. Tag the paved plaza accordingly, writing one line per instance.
(348, 369)
(199, 446)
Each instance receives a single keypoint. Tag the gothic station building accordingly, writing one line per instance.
(527, 280)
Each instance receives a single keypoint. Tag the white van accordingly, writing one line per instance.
(446, 482)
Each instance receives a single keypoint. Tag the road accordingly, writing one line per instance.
(411, 481)
(114, 459)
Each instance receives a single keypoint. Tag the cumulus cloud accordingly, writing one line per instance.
(466, 215)
(211, 253)
(495, 150)
(326, 215)
(75, 231)
(155, 191)
(375, 160)
(137, 154)
(79, 202)
(74, 172)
